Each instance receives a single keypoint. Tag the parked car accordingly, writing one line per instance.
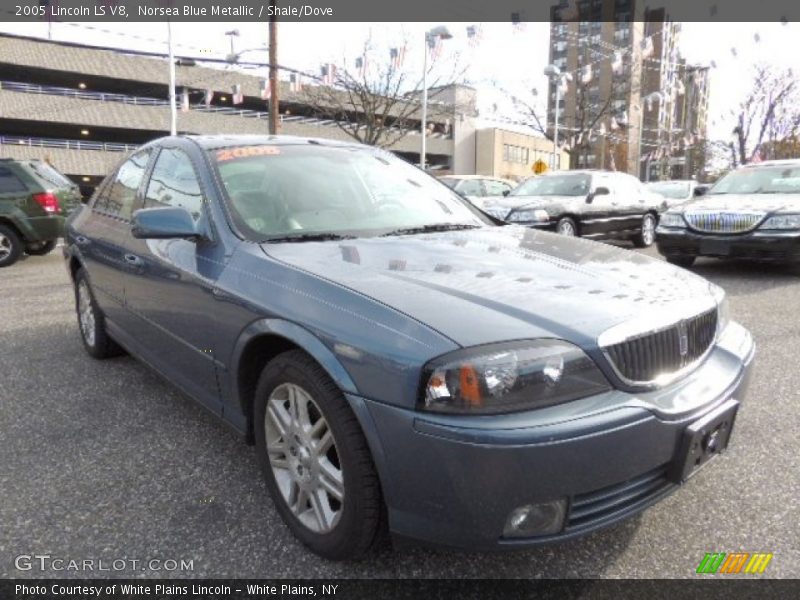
(397, 359)
(592, 204)
(34, 199)
(478, 187)
(751, 213)
(676, 191)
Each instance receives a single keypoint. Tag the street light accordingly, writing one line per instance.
(442, 33)
(648, 101)
(553, 72)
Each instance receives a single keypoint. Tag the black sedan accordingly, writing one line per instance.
(752, 213)
(592, 204)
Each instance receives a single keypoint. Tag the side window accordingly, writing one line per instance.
(10, 183)
(174, 183)
(471, 187)
(496, 188)
(628, 188)
(118, 197)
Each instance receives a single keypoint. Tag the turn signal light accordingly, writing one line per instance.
(48, 201)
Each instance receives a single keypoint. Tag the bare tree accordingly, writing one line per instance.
(378, 102)
(768, 115)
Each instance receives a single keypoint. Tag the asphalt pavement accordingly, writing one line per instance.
(103, 460)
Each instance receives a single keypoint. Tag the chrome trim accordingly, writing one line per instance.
(724, 221)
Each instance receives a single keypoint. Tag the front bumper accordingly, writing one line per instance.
(775, 246)
(454, 480)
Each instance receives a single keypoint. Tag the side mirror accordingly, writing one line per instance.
(506, 192)
(164, 223)
(700, 191)
(600, 191)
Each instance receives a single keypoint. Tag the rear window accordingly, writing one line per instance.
(48, 175)
(9, 182)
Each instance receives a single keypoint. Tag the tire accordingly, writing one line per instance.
(10, 246)
(647, 234)
(342, 480)
(91, 323)
(41, 248)
(566, 226)
(681, 261)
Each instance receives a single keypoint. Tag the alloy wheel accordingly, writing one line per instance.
(5, 247)
(566, 228)
(86, 315)
(304, 458)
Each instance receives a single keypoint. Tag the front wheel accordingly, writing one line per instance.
(566, 226)
(10, 246)
(315, 459)
(40, 248)
(647, 235)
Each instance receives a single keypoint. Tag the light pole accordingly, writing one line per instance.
(173, 110)
(441, 32)
(553, 72)
(646, 101)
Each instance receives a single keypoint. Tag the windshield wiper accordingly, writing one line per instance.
(308, 237)
(430, 228)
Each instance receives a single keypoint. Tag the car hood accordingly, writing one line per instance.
(749, 202)
(502, 283)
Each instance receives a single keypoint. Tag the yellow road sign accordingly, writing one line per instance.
(539, 167)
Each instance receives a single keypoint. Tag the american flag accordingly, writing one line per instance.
(237, 95)
(397, 56)
(611, 163)
(647, 47)
(361, 66)
(209, 97)
(266, 89)
(295, 85)
(517, 24)
(328, 73)
(757, 158)
(435, 46)
(185, 100)
(474, 35)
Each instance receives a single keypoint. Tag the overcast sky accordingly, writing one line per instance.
(504, 59)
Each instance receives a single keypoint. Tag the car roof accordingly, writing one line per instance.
(213, 142)
(790, 162)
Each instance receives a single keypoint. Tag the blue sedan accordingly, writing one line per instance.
(398, 359)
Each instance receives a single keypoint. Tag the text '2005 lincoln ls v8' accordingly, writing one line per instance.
(398, 359)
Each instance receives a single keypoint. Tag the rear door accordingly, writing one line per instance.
(103, 235)
(171, 291)
(598, 215)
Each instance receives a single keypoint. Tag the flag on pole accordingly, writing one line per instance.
(474, 35)
(397, 56)
(295, 85)
(517, 24)
(209, 97)
(586, 74)
(611, 163)
(361, 66)
(328, 72)
(757, 158)
(435, 46)
(266, 89)
(237, 97)
(185, 100)
(616, 64)
(647, 47)
(680, 88)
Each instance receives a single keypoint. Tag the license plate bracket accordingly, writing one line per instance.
(714, 248)
(703, 440)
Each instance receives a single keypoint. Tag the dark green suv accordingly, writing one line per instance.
(34, 200)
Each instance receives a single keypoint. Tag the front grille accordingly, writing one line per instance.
(618, 500)
(723, 222)
(645, 358)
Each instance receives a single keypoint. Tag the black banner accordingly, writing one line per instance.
(510, 11)
(720, 588)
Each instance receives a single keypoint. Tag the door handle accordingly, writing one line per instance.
(134, 260)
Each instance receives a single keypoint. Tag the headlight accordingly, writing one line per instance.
(672, 219)
(529, 216)
(723, 310)
(507, 377)
(782, 222)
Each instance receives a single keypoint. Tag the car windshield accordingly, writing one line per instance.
(49, 175)
(576, 184)
(449, 181)
(670, 189)
(760, 180)
(302, 191)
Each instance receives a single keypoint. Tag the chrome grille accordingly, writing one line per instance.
(723, 222)
(646, 358)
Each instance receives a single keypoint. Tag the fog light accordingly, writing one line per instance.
(536, 519)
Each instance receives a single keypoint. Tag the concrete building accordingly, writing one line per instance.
(643, 43)
(512, 154)
(83, 107)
